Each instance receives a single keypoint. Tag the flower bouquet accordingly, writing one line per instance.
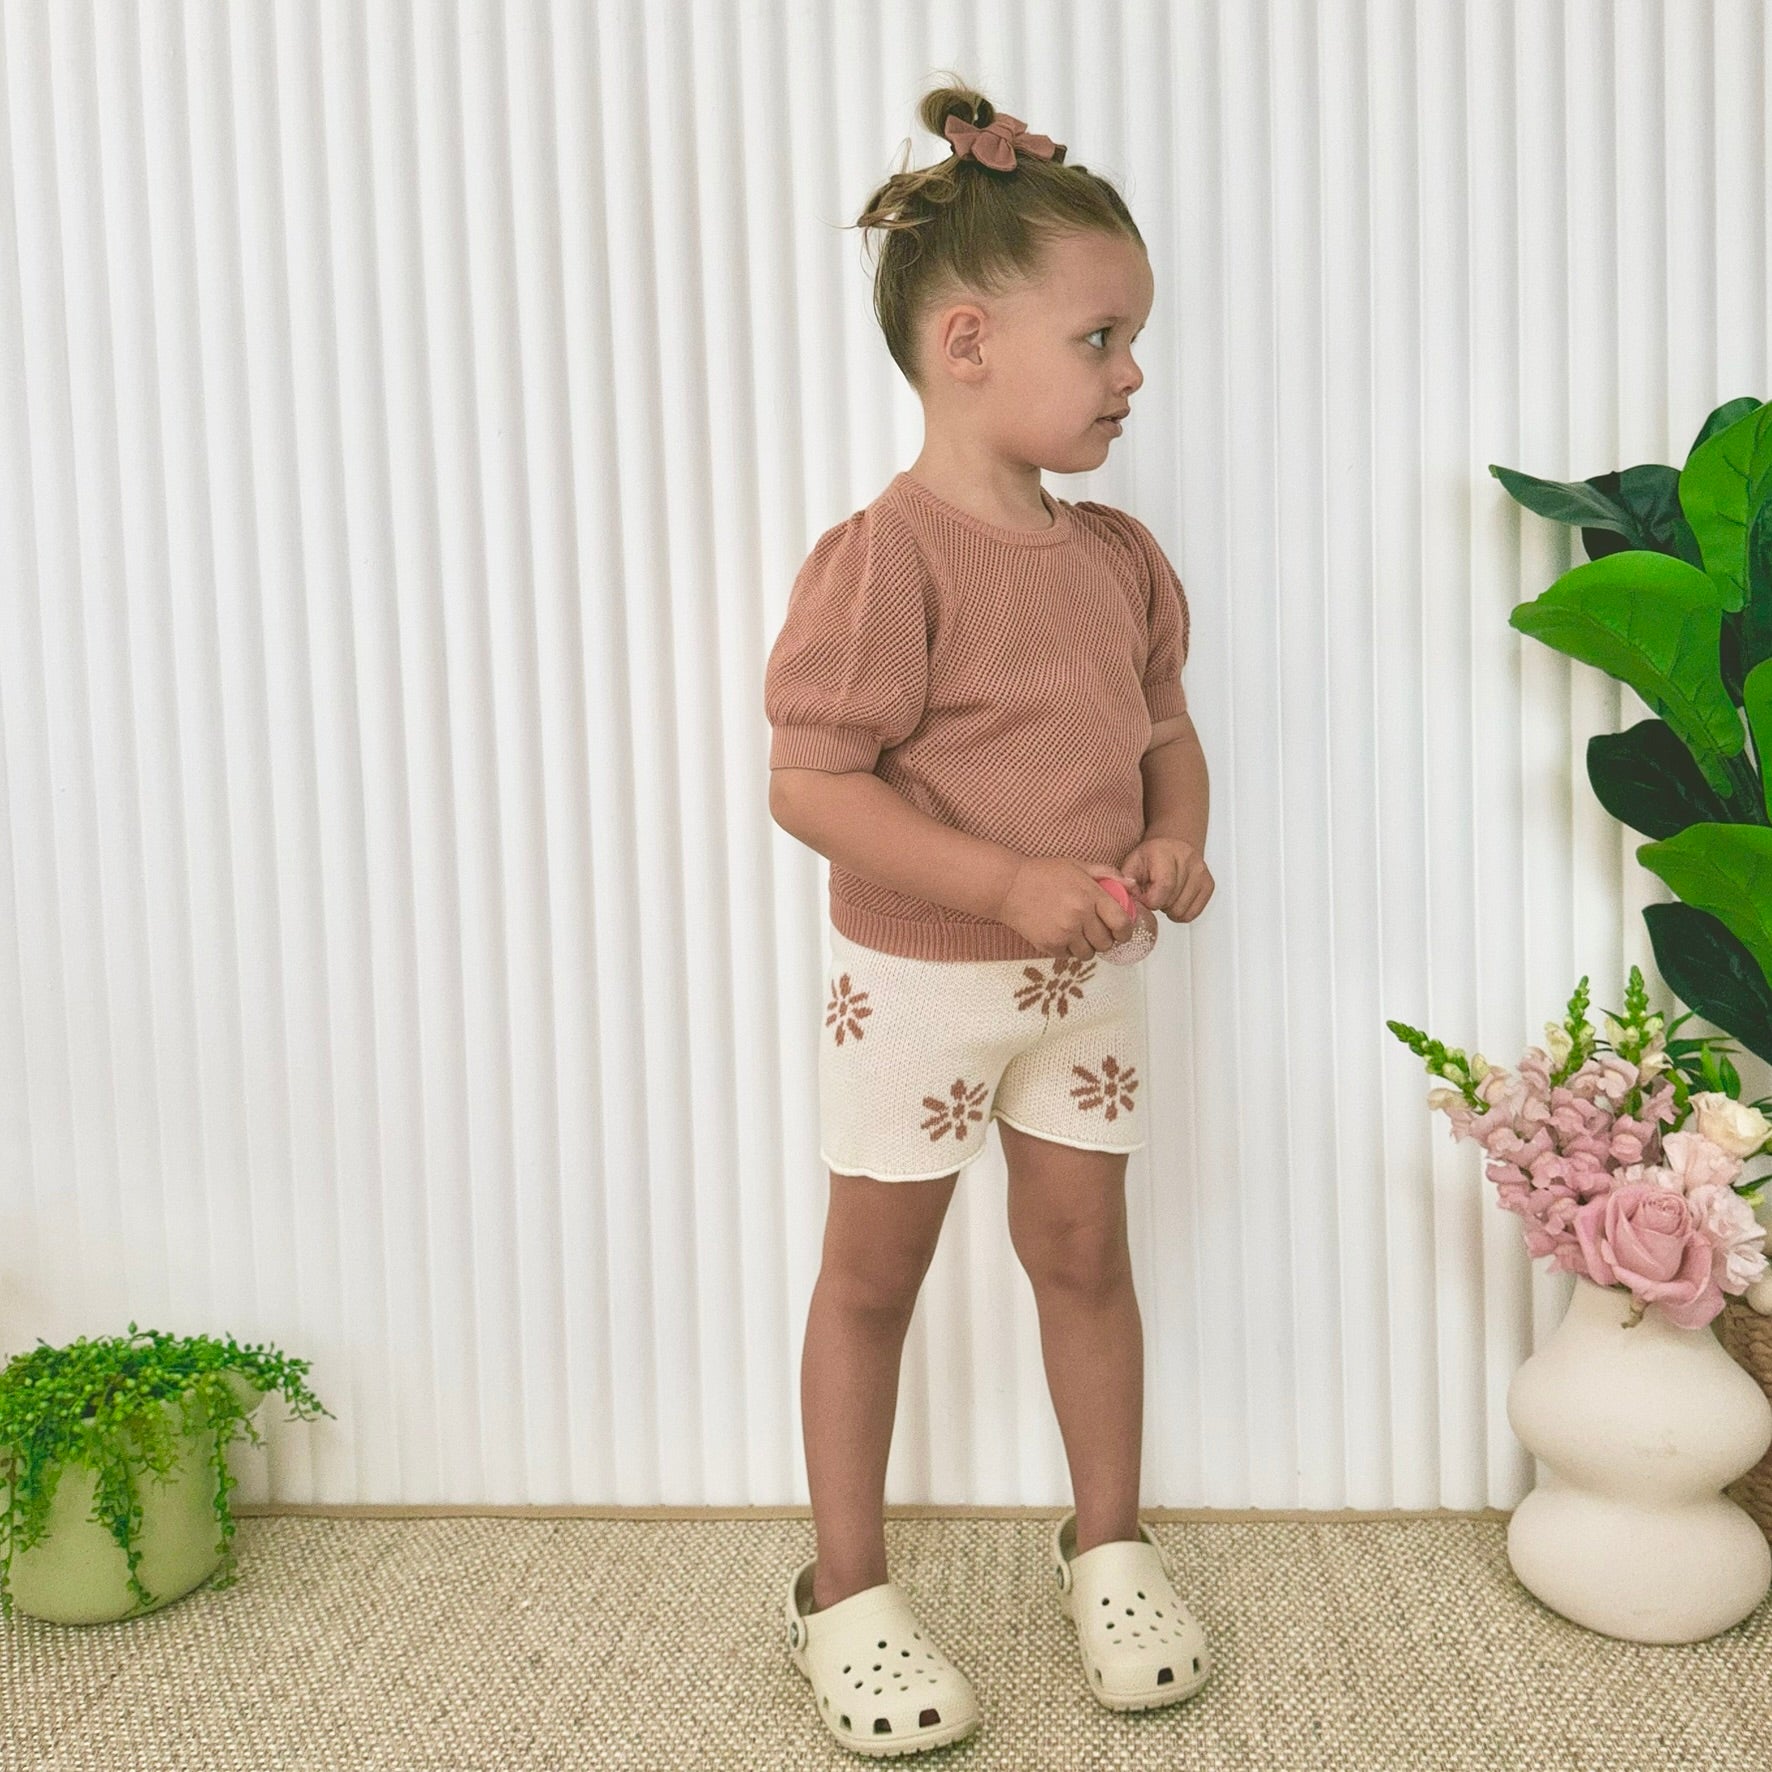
(1623, 1158)
(1622, 1171)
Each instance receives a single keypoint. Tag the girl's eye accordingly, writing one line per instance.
(1100, 329)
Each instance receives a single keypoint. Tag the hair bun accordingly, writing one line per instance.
(995, 144)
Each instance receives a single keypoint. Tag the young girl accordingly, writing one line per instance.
(976, 714)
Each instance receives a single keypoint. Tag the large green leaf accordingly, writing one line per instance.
(1720, 420)
(1646, 778)
(1637, 508)
(1706, 967)
(1651, 493)
(1754, 630)
(1725, 869)
(1722, 485)
(1573, 501)
(1653, 622)
(1756, 702)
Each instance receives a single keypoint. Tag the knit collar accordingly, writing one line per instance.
(1057, 531)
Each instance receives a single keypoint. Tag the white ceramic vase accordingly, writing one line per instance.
(1628, 1532)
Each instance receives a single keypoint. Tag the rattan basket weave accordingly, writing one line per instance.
(1748, 1337)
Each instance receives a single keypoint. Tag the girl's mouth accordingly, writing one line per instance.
(1112, 423)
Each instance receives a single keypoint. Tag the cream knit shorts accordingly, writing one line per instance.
(917, 1057)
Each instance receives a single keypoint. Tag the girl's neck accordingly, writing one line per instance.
(989, 491)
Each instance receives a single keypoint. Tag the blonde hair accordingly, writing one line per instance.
(959, 225)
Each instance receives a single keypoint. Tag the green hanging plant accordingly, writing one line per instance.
(1676, 601)
(118, 1406)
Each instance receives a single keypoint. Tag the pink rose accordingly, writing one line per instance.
(1644, 1236)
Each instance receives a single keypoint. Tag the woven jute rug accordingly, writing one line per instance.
(353, 1645)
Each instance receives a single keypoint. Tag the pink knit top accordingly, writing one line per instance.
(1002, 680)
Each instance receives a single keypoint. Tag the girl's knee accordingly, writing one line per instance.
(1083, 1257)
(880, 1238)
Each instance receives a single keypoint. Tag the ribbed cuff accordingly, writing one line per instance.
(838, 748)
(1165, 699)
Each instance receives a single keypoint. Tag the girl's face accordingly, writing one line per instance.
(1034, 374)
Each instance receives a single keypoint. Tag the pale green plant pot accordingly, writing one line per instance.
(76, 1573)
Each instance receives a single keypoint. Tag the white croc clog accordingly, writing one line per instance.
(883, 1685)
(1140, 1644)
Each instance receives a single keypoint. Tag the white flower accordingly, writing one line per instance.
(1740, 1238)
(1653, 1063)
(1444, 1097)
(1479, 1066)
(1557, 1042)
(1697, 1160)
(1761, 1207)
(1738, 1128)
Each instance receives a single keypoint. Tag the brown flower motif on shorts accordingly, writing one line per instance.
(1048, 992)
(952, 1116)
(846, 1008)
(1113, 1087)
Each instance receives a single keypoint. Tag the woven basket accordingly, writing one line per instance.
(1748, 1337)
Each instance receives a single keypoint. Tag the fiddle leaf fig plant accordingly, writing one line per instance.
(1676, 601)
(120, 1406)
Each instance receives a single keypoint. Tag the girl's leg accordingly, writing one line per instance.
(1067, 1222)
(879, 1239)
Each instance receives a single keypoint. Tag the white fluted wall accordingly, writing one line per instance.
(411, 418)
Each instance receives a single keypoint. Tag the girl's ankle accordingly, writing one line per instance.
(828, 1593)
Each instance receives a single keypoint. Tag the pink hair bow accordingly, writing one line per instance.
(998, 142)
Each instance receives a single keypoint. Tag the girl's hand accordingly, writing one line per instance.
(1170, 876)
(1055, 904)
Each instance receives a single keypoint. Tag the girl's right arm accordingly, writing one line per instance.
(858, 821)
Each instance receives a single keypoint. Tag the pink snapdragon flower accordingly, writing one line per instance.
(1605, 1193)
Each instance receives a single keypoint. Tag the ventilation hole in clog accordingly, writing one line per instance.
(882, 1726)
(904, 1652)
(846, 1670)
(918, 1634)
(1141, 1593)
(929, 1719)
(881, 1644)
(1104, 1599)
(1196, 1664)
(1165, 1675)
(844, 1721)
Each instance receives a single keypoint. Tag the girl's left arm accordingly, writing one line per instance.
(1176, 790)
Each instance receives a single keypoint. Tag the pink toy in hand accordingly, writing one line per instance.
(1142, 939)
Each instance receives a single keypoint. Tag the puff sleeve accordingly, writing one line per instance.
(1164, 692)
(1167, 621)
(848, 675)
